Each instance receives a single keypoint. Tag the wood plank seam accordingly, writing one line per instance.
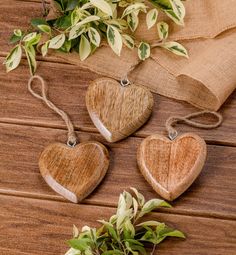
(158, 210)
(94, 130)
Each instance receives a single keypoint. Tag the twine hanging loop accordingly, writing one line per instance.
(125, 79)
(72, 140)
(173, 133)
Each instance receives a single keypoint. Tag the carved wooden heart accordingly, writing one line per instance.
(170, 167)
(74, 172)
(118, 111)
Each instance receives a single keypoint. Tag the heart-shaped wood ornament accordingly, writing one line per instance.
(118, 111)
(170, 167)
(74, 172)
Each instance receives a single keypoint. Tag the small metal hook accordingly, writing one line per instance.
(172, 135)
(71, 144)
(125, 82)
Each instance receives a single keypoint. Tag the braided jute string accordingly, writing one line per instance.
(172, 132)
(71, 141)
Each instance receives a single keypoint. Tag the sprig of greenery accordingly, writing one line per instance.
(82, 25)
(126, 232)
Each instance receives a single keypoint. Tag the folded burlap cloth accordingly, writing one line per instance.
(205, 80)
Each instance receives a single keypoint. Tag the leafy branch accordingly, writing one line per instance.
(82, 26)
(125, 232)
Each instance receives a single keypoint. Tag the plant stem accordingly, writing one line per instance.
(154, 249)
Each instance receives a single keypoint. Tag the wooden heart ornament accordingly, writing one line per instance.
(74, 172)
(118, 111)
(170, 167)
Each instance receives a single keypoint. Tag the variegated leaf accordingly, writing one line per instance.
(144, 50)
(76, 30)
(18, 32)
(114, 39)
(133, 8)
(84, 48)
(163, 4)
(177, 12)
(151, 18)
(45, 28)
(35, 40)
(57, 41)
(163, 30)
(44, 48)
(128, 41)
(103, 6)
(133, 21)
(29, 37)
(176, 48)
(94, 36)
(30, 54)
(13, 59)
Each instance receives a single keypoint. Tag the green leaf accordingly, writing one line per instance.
(149, 223)
(79, 244)
(13, 59)
(57, 41)
(149, 236)
(66, 47)
(103, 6)
(17, 32)
(94, 36)
(36, 22)
(114, 39)
(175, 233)
(15, 39)
(45, 28)
(163, 30)
(151, 18)
(129, 230)
(63, 22)
(72, 4)
(30, 54)
(163, 4)
(176, 48)
(112, 252)
(84, 48)
(143, 50)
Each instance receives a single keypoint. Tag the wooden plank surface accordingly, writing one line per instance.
(21, 107)
(77, 79)
(211, 194)
(39, 227)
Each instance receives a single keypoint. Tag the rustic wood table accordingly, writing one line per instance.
(35, 220)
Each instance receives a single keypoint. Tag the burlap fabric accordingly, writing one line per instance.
(205, 80)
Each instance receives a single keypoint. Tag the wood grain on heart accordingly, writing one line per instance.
(170, 167)
(118, 111)
(74, 172)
